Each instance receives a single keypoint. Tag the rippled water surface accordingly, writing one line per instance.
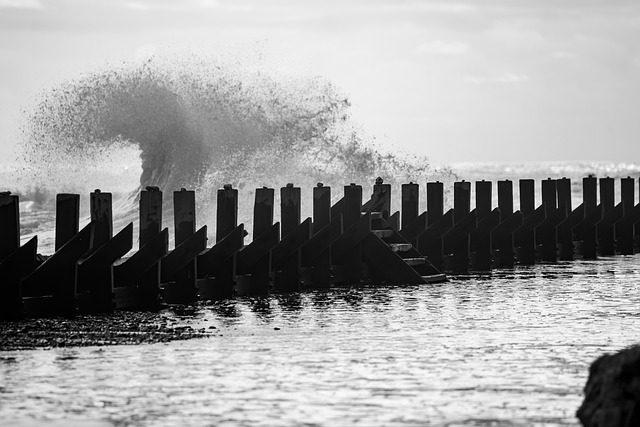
(509, 348)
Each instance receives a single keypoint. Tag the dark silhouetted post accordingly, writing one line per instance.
(9, 224)
(546, 231)
(321, 207)
(184, 289)
(410, 203)
(289, 208)
(349, 268)
(527, 196)
(585, 232)
(607, 194)
(549, 194)
(227, 211)
(606, 234)
(95, 272)
(260, 281)
(502, 236)
(636, 237)
(564, 195)
(461, 208)
(431, 241)
(461, 200)
(67, 218)
(627, 194)
(352, 204)
(624, 228)
(150, 226)
(263, 211)
(483, 198)
(321, 268)
(288, 278)
(435, 202)
(505, 198)
(217, 274)
(589, 194)
(150, 214)
(15, 261)
(480, 243)
(524, 238)
(571, 218)
(100, 205)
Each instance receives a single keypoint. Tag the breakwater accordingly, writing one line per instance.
(350, 242)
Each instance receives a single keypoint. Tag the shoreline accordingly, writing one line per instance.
(118, 328)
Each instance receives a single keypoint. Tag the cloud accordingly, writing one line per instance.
(504, 78)
(563, 55)
(448, 7)
(21, 4)
(171, 6)
(136, 5)
(513, 34)
(443, 48)
(422, 6)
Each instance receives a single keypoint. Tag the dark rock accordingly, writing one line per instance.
(612, 393)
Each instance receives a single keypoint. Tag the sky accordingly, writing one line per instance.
(491, 80)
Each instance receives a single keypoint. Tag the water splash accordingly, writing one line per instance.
(186, 120)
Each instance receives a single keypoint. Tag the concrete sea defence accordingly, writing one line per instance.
(347, 243)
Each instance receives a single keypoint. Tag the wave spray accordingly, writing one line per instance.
(185, 120)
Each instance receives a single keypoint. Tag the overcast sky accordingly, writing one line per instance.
(501, 80)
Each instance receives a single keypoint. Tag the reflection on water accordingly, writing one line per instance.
(506, 348)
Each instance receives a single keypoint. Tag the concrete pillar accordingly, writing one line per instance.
(607, 194)
(527, 196)
(352, 204)
(289, 209)
(410, 203)
(563, 187)
(435, 201)
(263, 211)
(100, 205)
(483, 198)
(321, 207)
(589, 194)
(150, 214)
(227, 211)
(67, 218)
(549, 195)
(505, 198)
(461, 200)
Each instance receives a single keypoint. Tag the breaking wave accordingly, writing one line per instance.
(184, 120)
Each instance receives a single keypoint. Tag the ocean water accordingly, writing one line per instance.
(509, 348)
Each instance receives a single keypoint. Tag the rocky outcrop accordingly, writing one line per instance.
(612, 393)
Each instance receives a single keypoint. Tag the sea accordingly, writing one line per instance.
(510, 347)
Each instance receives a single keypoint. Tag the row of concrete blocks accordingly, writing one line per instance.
(462, 240)
(347, 243)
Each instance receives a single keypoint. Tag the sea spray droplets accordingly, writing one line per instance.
(196, 122)
(191, 116)
(183, 116)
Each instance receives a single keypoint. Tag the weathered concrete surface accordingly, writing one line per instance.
(612, 393)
